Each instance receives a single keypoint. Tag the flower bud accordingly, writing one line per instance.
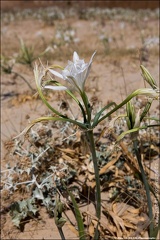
(147, 76)
(130, 115)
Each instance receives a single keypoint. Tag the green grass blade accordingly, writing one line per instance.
(79, 219)
(97, 116)
(78, 216)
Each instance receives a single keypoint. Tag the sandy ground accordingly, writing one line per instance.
(115, 73)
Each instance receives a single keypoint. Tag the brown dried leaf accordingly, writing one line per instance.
(142, 225)
(133, 210)
(72, 228)
(93, 184)
(67, 150)
(131, 161)
(110, 163)
(151, 152)
(116, 172)
(67, 158)
(118, 222)
(122, 208)
(129, 225)
(94, 222)
(105, 225)
(91, 229)
(131, 218)
(90, 168)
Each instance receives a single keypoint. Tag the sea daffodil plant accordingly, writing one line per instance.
(76, 74)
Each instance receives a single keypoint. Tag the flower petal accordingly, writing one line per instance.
(75, 57)
(89, 67)
(56, 88)
(56, 73)
(92, 58)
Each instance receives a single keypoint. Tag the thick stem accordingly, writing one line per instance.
(94, 159)
(96, 172)
(146, 185)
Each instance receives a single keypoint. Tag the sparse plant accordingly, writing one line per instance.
(106, 43)
(7, 67)
(64, 36)
(50, 15)
(27, 55)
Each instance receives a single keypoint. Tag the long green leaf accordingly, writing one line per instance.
(78, 216)
(79, 219)
(97, 116)
(141, 91)
(129, 131)
(135, 130)
(49, 119)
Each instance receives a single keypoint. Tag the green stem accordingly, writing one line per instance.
(96, 172)
(90, 138)
(61, 233)
(87, 105)
(146, 185)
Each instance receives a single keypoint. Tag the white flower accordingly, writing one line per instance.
(75, 73)
(152, 93)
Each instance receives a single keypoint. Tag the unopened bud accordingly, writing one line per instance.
(130, 114)
(147, 76)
